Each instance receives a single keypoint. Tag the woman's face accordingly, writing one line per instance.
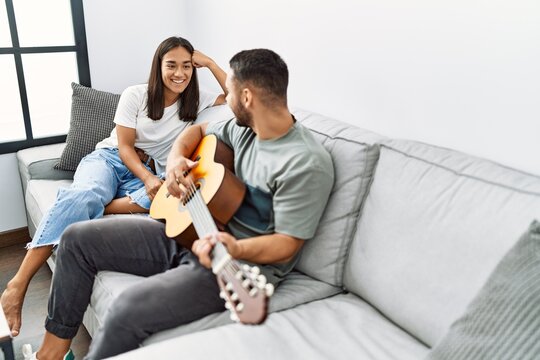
(176, 72)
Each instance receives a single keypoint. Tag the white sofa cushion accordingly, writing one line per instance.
(294, 290)
(354, 158)
(434, 225)
(341, 327)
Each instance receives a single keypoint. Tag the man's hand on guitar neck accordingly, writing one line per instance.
(203, 247)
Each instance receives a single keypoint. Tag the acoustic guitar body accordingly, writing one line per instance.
(221, 191)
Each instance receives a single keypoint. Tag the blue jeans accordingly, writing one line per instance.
(100, 177)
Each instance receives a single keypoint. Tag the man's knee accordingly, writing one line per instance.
(73, 236)
(128, 312)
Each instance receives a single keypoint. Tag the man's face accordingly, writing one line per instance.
(243, 116)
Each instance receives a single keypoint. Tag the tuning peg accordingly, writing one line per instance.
(253, 292)
(228, 305)
(246, 267)
(222, 295)
(261, 279)
(234, 317)
(246, 283)
(234, 296)
(240, 307)
(269, 289)
(229, 286)
(255, 270)
(239, 275)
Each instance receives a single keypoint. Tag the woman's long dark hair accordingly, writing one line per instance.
(188, 101)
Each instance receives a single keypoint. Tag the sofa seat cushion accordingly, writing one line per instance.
(39, 197)
(354, 157)
(435, 224)
(340, 327)
(296, 289)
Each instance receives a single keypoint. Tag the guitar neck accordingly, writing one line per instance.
(204, 225)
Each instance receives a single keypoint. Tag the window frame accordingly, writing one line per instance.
(81, 51)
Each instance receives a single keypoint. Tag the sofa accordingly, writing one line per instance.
(414, 257)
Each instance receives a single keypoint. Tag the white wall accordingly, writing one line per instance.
(458, 73)
(122, 36)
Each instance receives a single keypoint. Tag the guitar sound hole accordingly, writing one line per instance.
(199, 183)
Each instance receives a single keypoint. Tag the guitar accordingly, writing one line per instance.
(215, 192)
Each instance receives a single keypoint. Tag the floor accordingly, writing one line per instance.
(35, 304)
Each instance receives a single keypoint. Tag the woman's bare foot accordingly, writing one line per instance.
(12, 301)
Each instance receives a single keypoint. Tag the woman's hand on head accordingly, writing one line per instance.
(200, 60)
(152, 184)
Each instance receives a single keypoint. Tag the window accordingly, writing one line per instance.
(42, 50)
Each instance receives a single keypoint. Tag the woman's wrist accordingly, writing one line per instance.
(147, 175)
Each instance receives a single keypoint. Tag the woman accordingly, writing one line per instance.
(148, 119)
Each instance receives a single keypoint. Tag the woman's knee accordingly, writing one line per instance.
(82, 199)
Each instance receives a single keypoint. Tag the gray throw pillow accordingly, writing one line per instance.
(92, 114)
(503, 320)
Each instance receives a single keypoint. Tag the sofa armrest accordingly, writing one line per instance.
(38, 163)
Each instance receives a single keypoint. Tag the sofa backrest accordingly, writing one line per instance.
(435, 224)
(354, 158)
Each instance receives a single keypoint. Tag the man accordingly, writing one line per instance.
(288, 176)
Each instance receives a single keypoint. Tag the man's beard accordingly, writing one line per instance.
(243, 117)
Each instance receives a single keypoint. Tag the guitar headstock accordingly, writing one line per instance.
(245, 292)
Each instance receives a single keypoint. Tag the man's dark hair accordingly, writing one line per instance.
(189, 99)
(265, 70)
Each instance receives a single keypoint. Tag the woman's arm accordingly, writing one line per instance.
(126, 146)
(200, 60)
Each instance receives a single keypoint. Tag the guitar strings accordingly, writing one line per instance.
(199, 210)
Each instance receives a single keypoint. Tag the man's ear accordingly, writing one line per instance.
(246, 97)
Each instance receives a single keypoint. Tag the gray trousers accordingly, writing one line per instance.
(177, 289)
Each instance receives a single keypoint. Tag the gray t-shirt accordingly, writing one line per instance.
(288, 182)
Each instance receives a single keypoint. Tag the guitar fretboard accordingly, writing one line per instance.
(204, 224)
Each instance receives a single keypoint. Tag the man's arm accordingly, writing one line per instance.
(178, 161)
(264, 249)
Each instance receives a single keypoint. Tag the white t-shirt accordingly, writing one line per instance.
(155, 137)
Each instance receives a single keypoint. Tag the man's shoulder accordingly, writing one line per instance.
(310, 148)
(228, 126)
